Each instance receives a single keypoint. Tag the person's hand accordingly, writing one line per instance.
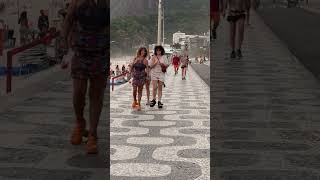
(157, 61)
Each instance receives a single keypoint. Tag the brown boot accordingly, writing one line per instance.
(76, 137)
(91, 146)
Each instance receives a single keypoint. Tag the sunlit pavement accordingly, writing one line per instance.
(170, 143)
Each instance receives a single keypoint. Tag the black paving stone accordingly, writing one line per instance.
(274, 124)
(233, 134)
(195, 131)
(43, 174)
(266, 146)
(304, 160)
(17, 155)
(298, 135)
(268, 175)
(225, 159)
(193, 117)
(194, 153)
(54, 143)
(89, 161)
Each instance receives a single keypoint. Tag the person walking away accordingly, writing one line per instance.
(87, 22)
(123, 69)
(139, 74)
(24, 28)
(215, 7)
(236, 17)
(117, 70)
(43, 23)
(176, 62)
(158, 65)
(184, 64)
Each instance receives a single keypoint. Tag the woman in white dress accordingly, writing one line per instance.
(158, 65)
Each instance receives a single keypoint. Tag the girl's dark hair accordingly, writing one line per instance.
(139, 52)
(103, 3)
(161, 49)
(99, 3)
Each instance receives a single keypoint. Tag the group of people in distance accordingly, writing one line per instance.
(149, 69)
(180, 61)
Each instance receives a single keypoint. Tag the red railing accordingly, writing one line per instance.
(45, 40)
(113, 78)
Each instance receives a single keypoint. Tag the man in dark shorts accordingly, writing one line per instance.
(236, 17)
(215, 7)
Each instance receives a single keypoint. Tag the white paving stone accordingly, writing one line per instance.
(124, 152)
(140, 169)
(150, 140)
(157, 123)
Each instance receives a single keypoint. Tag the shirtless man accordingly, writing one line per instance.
(236, 16)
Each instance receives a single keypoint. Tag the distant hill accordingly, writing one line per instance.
(121, 8)
(189, 16)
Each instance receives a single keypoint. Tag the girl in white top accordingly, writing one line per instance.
(158, 65)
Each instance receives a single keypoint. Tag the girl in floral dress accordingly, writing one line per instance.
(139, 75)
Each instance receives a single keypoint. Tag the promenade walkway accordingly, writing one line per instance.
(266, 110)
(166, 144)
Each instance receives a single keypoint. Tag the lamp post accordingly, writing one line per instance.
(162, 12)
(159, 39)
(18, 8)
